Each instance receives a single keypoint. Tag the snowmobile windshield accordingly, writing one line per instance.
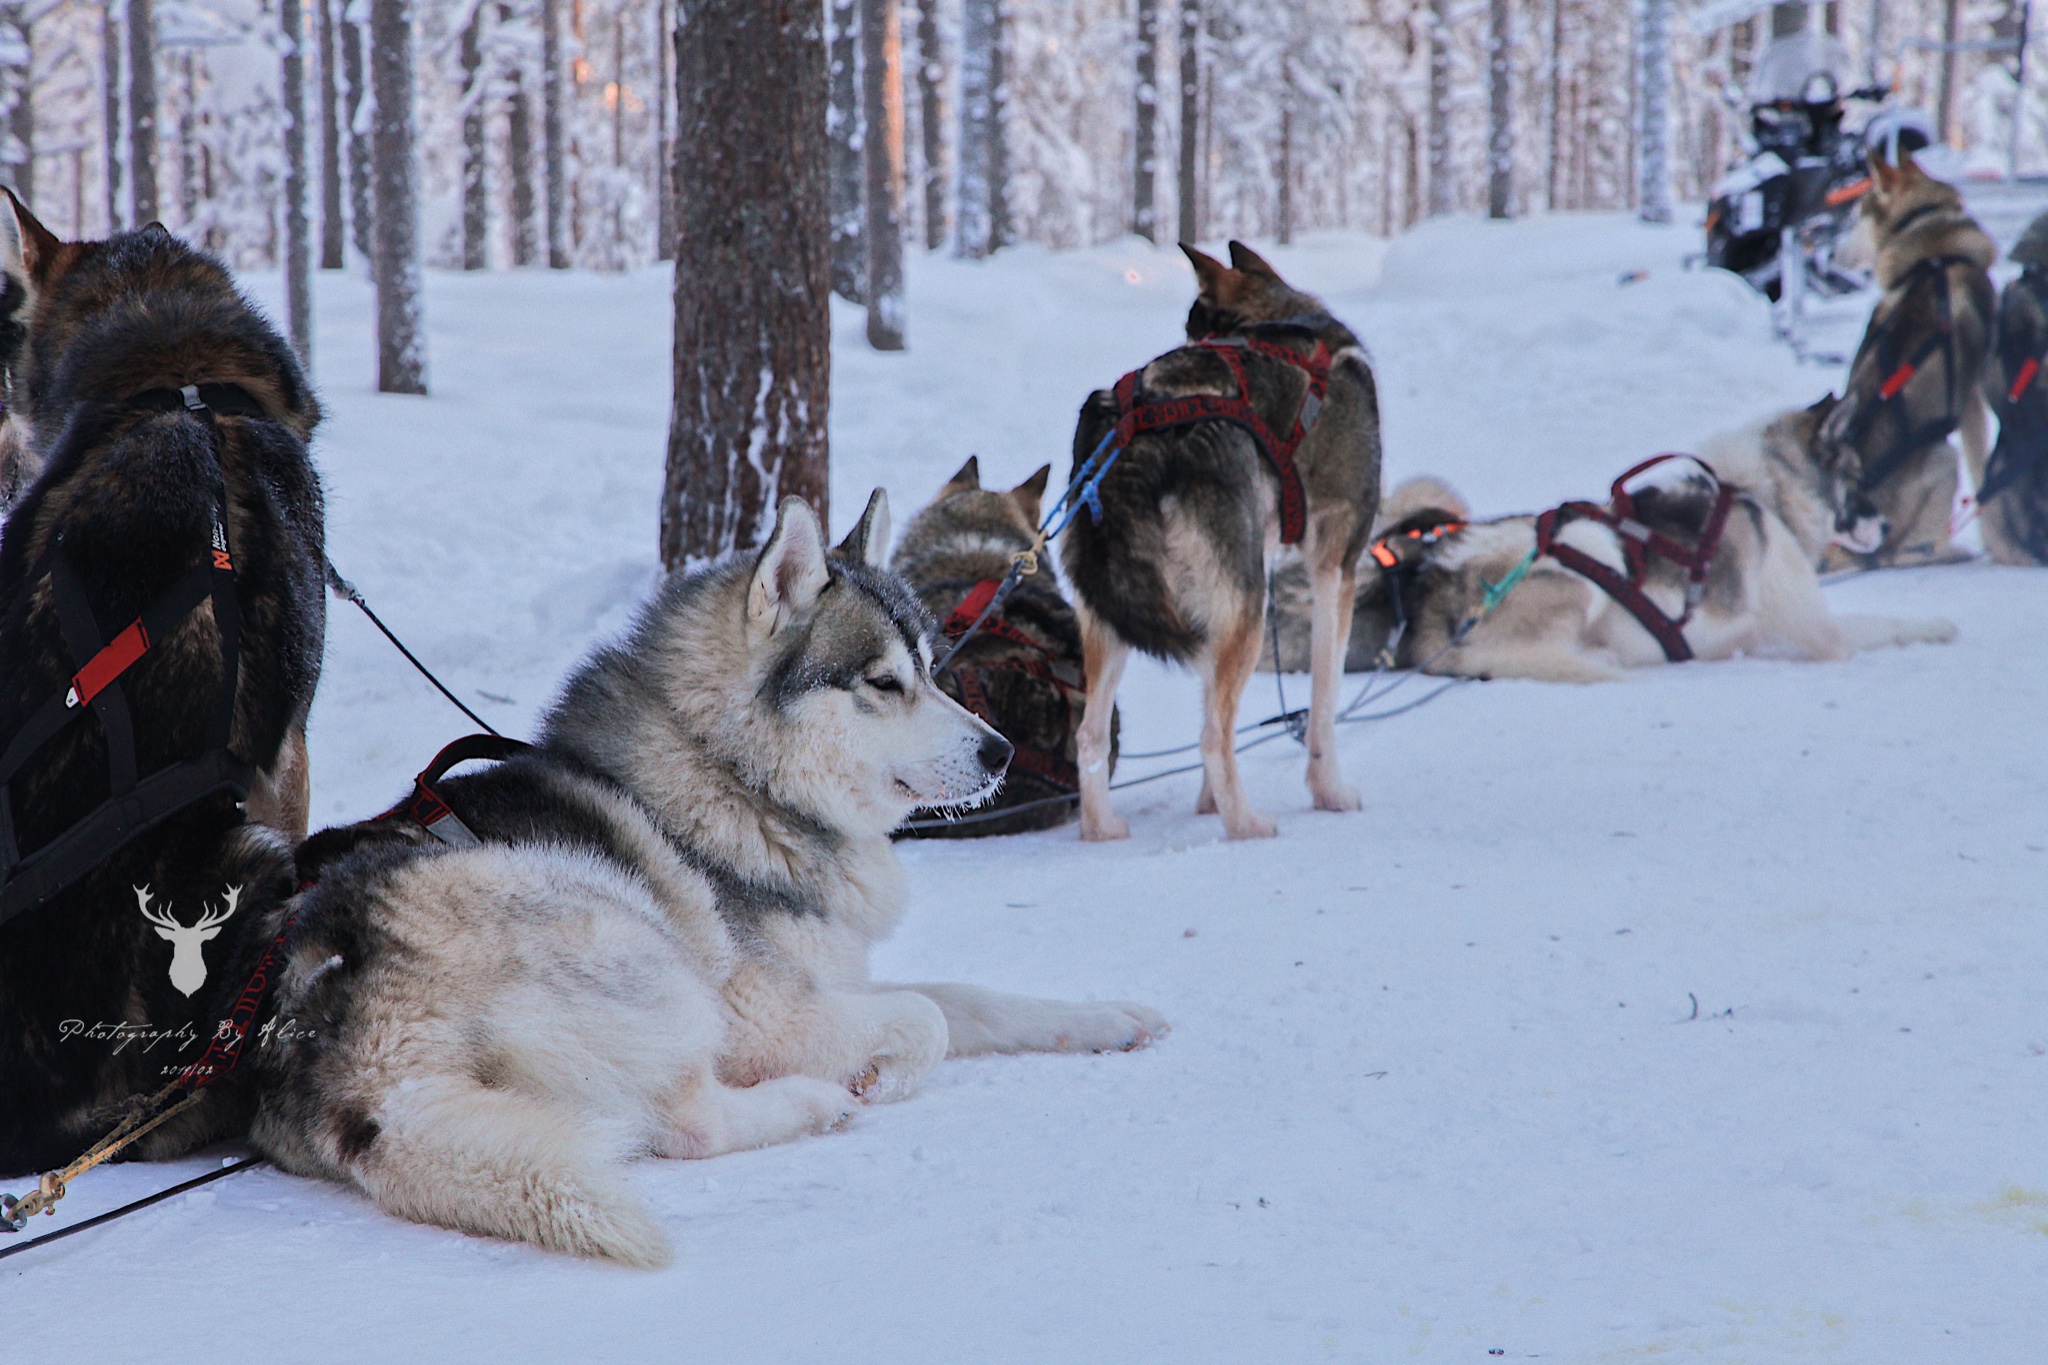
(1797, 66)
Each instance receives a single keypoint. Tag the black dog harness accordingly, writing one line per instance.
(1042, 665)
(1898, 370)
(135, 803)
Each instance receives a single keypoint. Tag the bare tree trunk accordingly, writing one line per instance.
(664, 143)
(1145, 135)
(557, 135)
(1556, 75)
(1443, 192)
(753, 350)
(881, 42)
(1500, 131)
(1654, 122)
(1190, 117)
(333, 228)
(298, 245)
(1286, 206)
(519, 159)
(20, 165)
(842, 122)
(931, 87)
(188, 139)
(142, 107)
(401, 337)
(110, 89)
(999, 233)
(362, 206)
(1945, 100)
(983, 223)
(476, 190)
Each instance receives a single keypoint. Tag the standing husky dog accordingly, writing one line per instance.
(661, 943)
(1022, 672)
(2012, 489)
(1761, 595)
(1175, 564)
(174, 901)
(1918, 374)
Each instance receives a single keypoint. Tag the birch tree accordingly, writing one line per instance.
(362, 200)
(17, 94)
(401, 337)
(753, 278)
(881, 42)
(298, 247)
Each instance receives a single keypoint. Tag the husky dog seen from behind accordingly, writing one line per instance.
(661, 942)
(1021, 672)
(162, 608)
(1919, 372)
(1175, 564)
(2012, 489)
(1761, 595)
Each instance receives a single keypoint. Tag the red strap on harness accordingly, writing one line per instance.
(1135, 417)
(2022, 379)
(114, 659)
(1638, 543)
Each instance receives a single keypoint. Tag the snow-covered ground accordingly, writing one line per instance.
(1698, 1017)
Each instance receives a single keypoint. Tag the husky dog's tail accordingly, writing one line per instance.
(463, 1156)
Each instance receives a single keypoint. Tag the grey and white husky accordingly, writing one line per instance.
(661, 944)
(1795, 495)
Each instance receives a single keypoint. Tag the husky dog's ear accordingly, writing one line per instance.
(868, 542)
(1249, 262)
(1030, 494)
(1215, 282)
(27, 248)
(790, 572)
(967, 480)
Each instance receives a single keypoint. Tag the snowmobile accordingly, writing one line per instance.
(1777, 218)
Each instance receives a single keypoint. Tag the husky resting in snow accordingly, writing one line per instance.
(1762, 596)
(661, 943)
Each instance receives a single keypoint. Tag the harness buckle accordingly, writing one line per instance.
(71, 698)
(190, 393)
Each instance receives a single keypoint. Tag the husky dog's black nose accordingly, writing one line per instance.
(995, 753)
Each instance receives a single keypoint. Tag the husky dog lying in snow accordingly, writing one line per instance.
(1762, 596)
(1175, 564)
(661, 943)
(1022, 672)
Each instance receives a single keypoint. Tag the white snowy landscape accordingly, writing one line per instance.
(1697, 1017)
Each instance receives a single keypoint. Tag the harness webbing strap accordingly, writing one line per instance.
(1638, 543)
(974, 692)
(426, 807)
(135, 804)
(1899, 375)
(1136, 416)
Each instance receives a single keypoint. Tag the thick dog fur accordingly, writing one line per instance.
(968, 535)
(1176, 565)
(1762, 595)
(1912, 218)
(84, 978)
(661, 945)
(2014, 520)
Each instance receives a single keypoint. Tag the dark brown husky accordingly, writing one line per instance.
(1022, 671)
(115, 973)
(1918, 374)
(1190, 516)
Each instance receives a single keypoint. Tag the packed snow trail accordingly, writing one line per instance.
(1695, 1017)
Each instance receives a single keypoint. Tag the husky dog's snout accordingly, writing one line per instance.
(1860, 526)
(995, 754)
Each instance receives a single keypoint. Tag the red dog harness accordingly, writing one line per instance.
(974, 694)
(1135, 417)
(1638, 543)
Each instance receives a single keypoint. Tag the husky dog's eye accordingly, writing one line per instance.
(885, 682)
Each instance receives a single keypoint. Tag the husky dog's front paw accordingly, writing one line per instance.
(1102, 827)
(912, 1041)
(1113, 1026)
(1250, 825)
(1334, 795)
